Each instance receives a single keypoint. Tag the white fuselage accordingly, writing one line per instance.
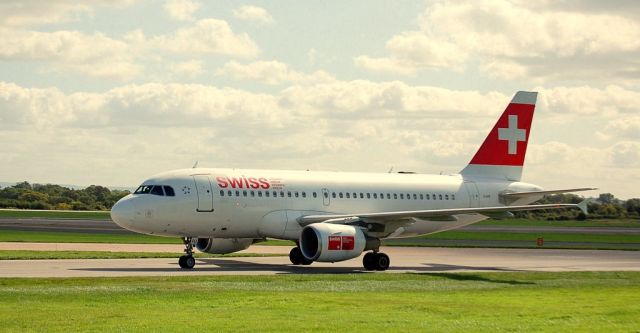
(236, 203)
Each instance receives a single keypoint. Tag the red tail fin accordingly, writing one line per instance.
(502, 152)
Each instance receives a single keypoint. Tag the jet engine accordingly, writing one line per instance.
(223, 245)
(327, 242)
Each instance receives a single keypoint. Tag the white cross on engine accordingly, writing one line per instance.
(512, 134)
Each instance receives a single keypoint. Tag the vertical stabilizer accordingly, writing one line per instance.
(502, 153)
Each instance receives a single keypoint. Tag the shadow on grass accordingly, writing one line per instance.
(473, 277)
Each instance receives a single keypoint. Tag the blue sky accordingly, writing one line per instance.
(111, 92)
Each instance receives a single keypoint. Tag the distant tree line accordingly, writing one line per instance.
(37, 196)
(606, 205)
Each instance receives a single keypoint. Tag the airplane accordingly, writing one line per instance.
(337, 216)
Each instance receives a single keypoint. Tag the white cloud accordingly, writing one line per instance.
(95, 55)
(254, 14)
(207, 36)
(272, 72)
(181, 10)
(20, 13)
(190, 68)
(515, 41)
(417, 128)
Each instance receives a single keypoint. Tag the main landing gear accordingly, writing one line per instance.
(376, 261)
(296, 257)
(187, 261)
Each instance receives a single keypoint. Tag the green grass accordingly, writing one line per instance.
(532, 236)
(617, 223)
(35, 255)
(79, 237)
(468, 302)
(25, 214)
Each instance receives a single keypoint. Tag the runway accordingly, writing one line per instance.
(403, 260)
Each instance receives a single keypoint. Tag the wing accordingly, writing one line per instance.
(429, 214)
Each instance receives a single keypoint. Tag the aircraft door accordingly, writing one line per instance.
(474, 194)
(326, 199)
(204, 192)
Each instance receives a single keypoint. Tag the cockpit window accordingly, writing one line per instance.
(157, 190)
(168, 190)
(144, 189)
(160, 190)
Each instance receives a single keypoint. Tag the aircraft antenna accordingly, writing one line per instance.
(195, 165)
(390, 170)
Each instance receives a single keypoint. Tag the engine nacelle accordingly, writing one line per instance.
(326, 242)
(223, 245)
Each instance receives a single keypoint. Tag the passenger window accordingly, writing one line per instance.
(375, 195)
(333, 195)
(368, 195)
(222, 193)
(361, 195)
(260, 194)
(428, 197)
(168, 190)
(253, 194)
(340, 195)
(355, 195)
(395, 195)
(326, 194)
(157, 190)
(453, 197)
(244, 193)
(282, 194)
(381, 195)
(408, 196)
(275, 194)
(347, 195)
(401, 196)
(266, 193)
(446, 197)
(415, 196)
(315, 195)
(421, 196)
(288, 194)
(440, 196)
(304, 194)
(237, 193)
(389, 196)
(229, 193)
(296, 193)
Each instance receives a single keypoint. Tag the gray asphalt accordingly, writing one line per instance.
(415, 260)
(108, 227)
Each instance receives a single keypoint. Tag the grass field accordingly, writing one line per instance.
(36, 255)
(26, 214)
(469, 302)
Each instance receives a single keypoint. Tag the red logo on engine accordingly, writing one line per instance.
(345, 243)
(335, 243)
(348, 243)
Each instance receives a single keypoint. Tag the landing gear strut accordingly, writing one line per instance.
(297, 258)
(376, 261)
(187, 261)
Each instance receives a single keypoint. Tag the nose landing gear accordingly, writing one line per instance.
(187, 261)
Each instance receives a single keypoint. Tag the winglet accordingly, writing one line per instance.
(583, 206)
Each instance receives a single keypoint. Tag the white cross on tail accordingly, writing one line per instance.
(513, 134)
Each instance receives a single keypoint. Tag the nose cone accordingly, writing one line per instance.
(123, 213)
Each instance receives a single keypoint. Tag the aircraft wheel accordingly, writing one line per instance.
(368, 261)
(381, 261)
(296, 257)
(187, 262)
